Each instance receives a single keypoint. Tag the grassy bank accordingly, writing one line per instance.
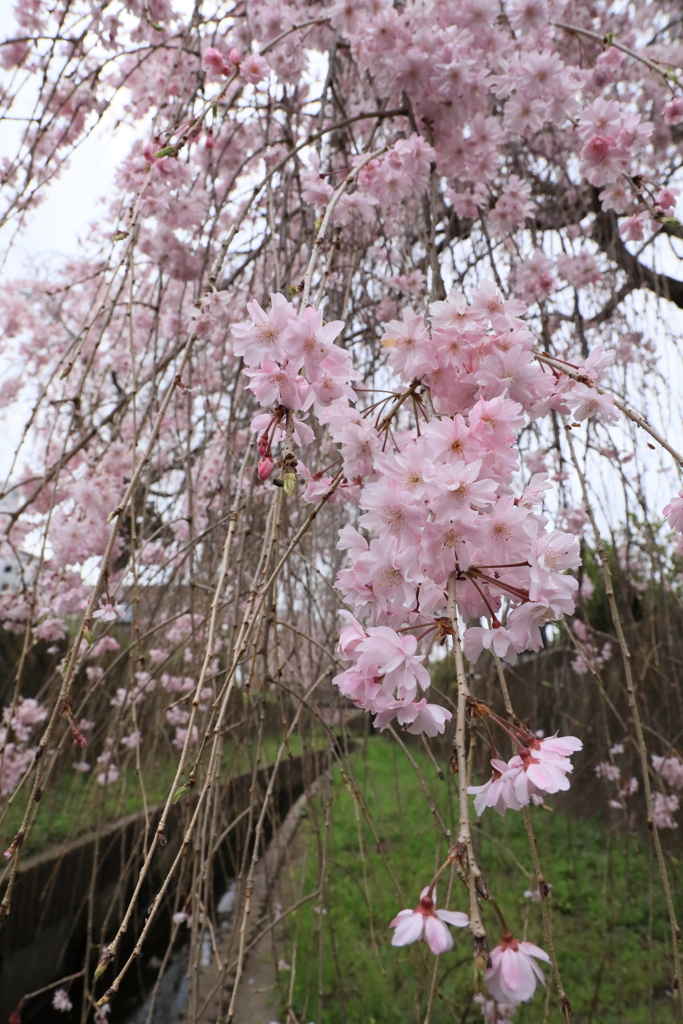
(609, 921)
(78, 802)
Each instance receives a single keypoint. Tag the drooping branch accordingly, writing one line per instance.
(606, 236)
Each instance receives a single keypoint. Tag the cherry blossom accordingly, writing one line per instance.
(307, 341)
(542, 767)
(273, 383)
(428, 923)
(214, 62)
(664, 808)
(670, 769)
(386, 653)
(538, 769)
(108, 612)
(498, 792)
(673, 111)
(391, 511)
(605, 770)
(674, 513)
(61, 1001)
(109, 776)
(514, 973)
(492, 1011)
(254, 68)
(262, 338)
(316, 190)
(414, 716)
(498, 640)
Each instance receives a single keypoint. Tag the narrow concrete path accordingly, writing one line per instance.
(276, 887)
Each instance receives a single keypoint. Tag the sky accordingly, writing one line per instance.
(56, 226)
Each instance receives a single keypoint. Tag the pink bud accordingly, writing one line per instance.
(212, 61)
(265, 468)
(234, 56)
(78, 737)
(209, 142)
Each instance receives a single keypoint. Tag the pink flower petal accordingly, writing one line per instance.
(454, 917)
(438, 937)
(408, 930)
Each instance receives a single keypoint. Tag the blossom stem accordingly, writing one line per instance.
(446, 864)
(397, 405)
(494, 617)
(506, 728)
(523, 595)
(506, 565)
(506, 933)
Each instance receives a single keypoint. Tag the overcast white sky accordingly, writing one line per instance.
(55, 227)
(72, 202)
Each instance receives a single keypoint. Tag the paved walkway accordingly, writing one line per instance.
(276, 885)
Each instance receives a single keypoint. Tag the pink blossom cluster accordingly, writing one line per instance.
(611, 772)
(663, 810)
(540, 768)
(511, 139)
(512, 974)
(477, 84)
(670, 769)
(610, 137)
(16, 733)
(533, 81)
(276, 346)
(439, 500)
(387, 678)
(493, 1012)
(108, 772)
(253, 67)
(629, 787)
(360, 202)
(178, 714)
(61, 1001)
(591, 656)
(482, 85)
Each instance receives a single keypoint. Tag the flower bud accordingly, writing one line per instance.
(15, 1016)
(102, 964)
(78, 737)
(265, 468)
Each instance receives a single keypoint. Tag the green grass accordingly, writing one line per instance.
(601, 907)
(75, 803)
